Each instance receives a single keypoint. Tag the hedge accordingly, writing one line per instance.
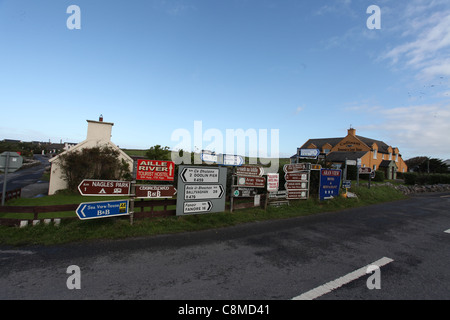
(412, 178)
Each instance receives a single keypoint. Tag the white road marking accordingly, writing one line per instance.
(332, 285)
(447, 231)
(16, 252)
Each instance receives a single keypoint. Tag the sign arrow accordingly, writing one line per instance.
(205, 191)
(102, 209)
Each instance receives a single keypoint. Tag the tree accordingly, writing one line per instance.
(426, 165)
(158, 153)
(100, 163)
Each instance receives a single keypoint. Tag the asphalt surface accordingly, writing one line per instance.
(272, 260)
(28, 179)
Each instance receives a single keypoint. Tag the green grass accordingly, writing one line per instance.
(118, 228)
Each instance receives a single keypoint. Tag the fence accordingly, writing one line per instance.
(156, 208)
(13, 194)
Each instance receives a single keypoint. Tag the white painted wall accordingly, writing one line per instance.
(98, 135)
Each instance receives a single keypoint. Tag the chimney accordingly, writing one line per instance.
(351, 132)
(100, 118)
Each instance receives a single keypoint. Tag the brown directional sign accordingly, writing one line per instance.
(365, 170)
(155, 191)
(104, 188)
(302, 176)
(297, 194)
(254, 171)
(296, 167)
(256, 182)
(296, 185)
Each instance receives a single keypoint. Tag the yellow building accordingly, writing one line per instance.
(373, 153)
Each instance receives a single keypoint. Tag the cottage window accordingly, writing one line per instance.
(375, 153)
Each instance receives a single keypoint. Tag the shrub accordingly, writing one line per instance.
(101, 163)
(379, 176)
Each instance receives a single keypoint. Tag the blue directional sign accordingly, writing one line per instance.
(102, 209)
(330, 180)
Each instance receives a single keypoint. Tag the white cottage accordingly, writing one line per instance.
(98, 135)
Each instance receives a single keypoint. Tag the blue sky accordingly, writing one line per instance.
(307, 68)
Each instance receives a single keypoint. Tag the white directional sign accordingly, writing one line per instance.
(232, 160)
(197, 207)
(200, 174)
(203, 191)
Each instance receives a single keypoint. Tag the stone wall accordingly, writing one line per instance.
(415, 188)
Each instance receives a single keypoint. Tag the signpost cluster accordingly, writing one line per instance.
(297, 178)
(245, 181)
(146, 170)
(202, 189)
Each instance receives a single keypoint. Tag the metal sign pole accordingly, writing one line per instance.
(4, 179)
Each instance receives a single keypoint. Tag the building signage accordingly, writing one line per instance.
(102, 209)
(330, 181)
(201, 183)
(155, 170)
(155, 191)
(104, 188)
(256, 182)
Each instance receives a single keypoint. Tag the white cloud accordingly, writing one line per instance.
(428, 51)
(416, 130)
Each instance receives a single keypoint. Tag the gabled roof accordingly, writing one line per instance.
(382, 147)
(341, 156)
(319, 143)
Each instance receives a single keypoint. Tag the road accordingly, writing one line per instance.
(272, 260)
(25, 177)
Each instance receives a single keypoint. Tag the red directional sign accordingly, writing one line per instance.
(155, 170)
(104, 188)
(155, 191)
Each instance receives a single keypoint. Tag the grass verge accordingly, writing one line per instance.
(119, 228)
